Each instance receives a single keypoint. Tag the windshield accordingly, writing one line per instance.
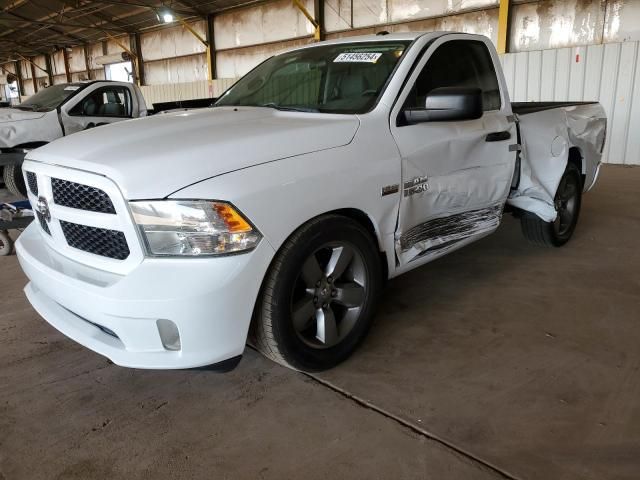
(343, 78)
(49, 98)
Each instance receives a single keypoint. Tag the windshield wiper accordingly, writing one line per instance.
(284, 108)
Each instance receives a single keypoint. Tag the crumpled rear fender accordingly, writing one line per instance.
(547, 137)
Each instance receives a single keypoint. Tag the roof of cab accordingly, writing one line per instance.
(386, 37)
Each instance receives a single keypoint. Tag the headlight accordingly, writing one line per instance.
(193, 227)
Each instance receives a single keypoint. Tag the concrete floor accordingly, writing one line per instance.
(502, 360)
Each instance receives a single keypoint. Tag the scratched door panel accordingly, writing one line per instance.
(463, 172)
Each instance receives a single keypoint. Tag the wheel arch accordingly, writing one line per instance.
(359, 216)
(355, 214)
(576, 158)
(365, 220)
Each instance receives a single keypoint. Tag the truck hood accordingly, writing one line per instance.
(16, 115)
(155, 156)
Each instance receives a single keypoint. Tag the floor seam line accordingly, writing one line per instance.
(414, 428)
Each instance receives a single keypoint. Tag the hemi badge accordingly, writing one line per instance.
(516, 147)
(390, 189)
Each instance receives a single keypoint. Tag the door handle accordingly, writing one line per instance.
(498, 136)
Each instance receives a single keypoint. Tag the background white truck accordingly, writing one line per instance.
(325, 170)
(57, 111)
(64, 109)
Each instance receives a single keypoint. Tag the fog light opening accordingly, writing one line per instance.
(169, 334)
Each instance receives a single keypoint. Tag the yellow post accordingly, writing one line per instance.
(305, 12)
(209, 67)
(503, 26)
(203, 41)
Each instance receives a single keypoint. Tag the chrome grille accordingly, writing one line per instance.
(43, 223)
(33, 182)
(99, 241)
(83, 216)
(82, 197)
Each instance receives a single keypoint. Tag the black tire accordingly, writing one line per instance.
(297, 346)
(6, 244)
(14, 181)
(568, 200)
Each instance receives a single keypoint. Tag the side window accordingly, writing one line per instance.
(458, 63)
(105, 102)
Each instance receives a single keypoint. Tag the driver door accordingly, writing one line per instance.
(456, 175)
(101, 106)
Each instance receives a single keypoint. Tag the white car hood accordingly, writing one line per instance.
(155, 156)
(16, 115)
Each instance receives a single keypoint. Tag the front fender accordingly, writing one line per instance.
(40, 130)
(280, 196)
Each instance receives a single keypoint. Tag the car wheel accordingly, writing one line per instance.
(567, 202)
(6, 244)
(318, 298)
(14, 181)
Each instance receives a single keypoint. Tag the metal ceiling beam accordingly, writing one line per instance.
(91, 9)
(195, 7)
(13, 5)
(36, 47)
(97, 30)
(64, 24)
(52, 29)
(189, 13)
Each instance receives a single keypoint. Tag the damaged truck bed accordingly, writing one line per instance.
(552, 134)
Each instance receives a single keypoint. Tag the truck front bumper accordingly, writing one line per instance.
(133, 319)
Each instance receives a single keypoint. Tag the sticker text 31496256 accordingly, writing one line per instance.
(366, 57)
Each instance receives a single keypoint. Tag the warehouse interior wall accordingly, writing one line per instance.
(558, 49)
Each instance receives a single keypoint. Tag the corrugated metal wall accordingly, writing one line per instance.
(606, 73)
(185, 91)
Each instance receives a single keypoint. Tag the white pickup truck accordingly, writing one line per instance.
(277, 214)
(57, 111)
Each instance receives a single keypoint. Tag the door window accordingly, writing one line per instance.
(458, 63)
(105, 102)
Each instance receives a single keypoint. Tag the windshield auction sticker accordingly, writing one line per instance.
(72, 88)
(366, 57)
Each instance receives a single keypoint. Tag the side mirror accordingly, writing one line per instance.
(447, 104)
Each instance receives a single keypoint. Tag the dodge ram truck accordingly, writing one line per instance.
(57, 111)
(275, 216)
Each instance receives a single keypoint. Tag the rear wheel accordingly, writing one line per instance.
(567, 202)
(319, 295)
(14, 181)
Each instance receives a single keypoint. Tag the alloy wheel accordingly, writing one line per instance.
(566, 203)
(329, 294)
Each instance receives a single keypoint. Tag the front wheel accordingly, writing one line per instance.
(14, 181)
(319, 295)
(6, 244)
(567, 203)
